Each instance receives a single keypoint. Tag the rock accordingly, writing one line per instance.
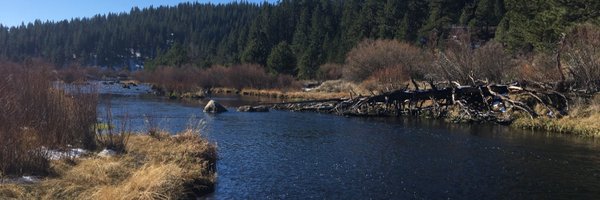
(244, 109)
(193, 95)
(261, 108)
(107, 153)
(253, 109)
(214, 107)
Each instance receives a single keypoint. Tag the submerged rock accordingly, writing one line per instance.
(253, 109)
(214, 107)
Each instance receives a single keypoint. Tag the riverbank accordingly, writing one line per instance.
(308, 90)
(154, 167)
(506, 105)
(583, 119)
(337, 96)
(280, 94)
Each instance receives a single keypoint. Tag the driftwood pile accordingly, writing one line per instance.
(471, 103)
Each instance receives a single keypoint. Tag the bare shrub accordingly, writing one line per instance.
(461, 60)
(582, 56)
(189, 79)
(330, 71)
(175, 79)
(541, 68)
(214, 77)
(373, 55)
(492, 62)
(387, 79)
(35, 113)
(72, 74)
(286, 82)
(247, 75)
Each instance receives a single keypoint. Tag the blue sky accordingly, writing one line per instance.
(13, 12)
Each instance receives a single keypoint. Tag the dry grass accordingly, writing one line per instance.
(584, 119)
(297, 95)
(328, 90)
(340, 86)
(159, 167)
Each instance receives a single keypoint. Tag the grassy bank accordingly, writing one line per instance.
(583, 119)
(154, 167)
(279, 94)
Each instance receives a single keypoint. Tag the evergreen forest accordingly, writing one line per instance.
(291, 36)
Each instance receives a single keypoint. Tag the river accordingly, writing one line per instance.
(290, 155)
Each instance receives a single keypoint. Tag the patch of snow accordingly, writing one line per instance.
(20, 180)
(308, 89)
(70, 154)
(28, 179)
(107, 153)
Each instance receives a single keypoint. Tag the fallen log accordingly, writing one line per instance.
(483, 102)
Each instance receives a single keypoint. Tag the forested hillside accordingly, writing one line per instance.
(292, 36)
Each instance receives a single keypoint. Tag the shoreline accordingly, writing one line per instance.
(324, 101)
(582, 121)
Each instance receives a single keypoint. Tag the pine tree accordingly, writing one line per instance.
(256, 50)
(282, 60)
(388, 18)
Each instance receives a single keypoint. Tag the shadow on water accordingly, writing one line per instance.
(280, 155)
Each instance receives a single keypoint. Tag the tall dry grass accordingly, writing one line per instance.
(36, 113)
(112, 137)
(582, 120)
(330, 71)
(162, 167)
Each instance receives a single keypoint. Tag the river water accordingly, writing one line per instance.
(289, 155)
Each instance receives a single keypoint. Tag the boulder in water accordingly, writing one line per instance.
(214, 107)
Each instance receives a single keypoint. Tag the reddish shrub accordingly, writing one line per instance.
(189, 79)
(389, 78)
(373, 55)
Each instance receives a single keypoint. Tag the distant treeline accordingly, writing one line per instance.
(292, 36)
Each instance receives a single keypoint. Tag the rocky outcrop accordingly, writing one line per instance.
(214, 107)
(253, 109)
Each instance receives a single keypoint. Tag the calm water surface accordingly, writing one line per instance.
(287, 155)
